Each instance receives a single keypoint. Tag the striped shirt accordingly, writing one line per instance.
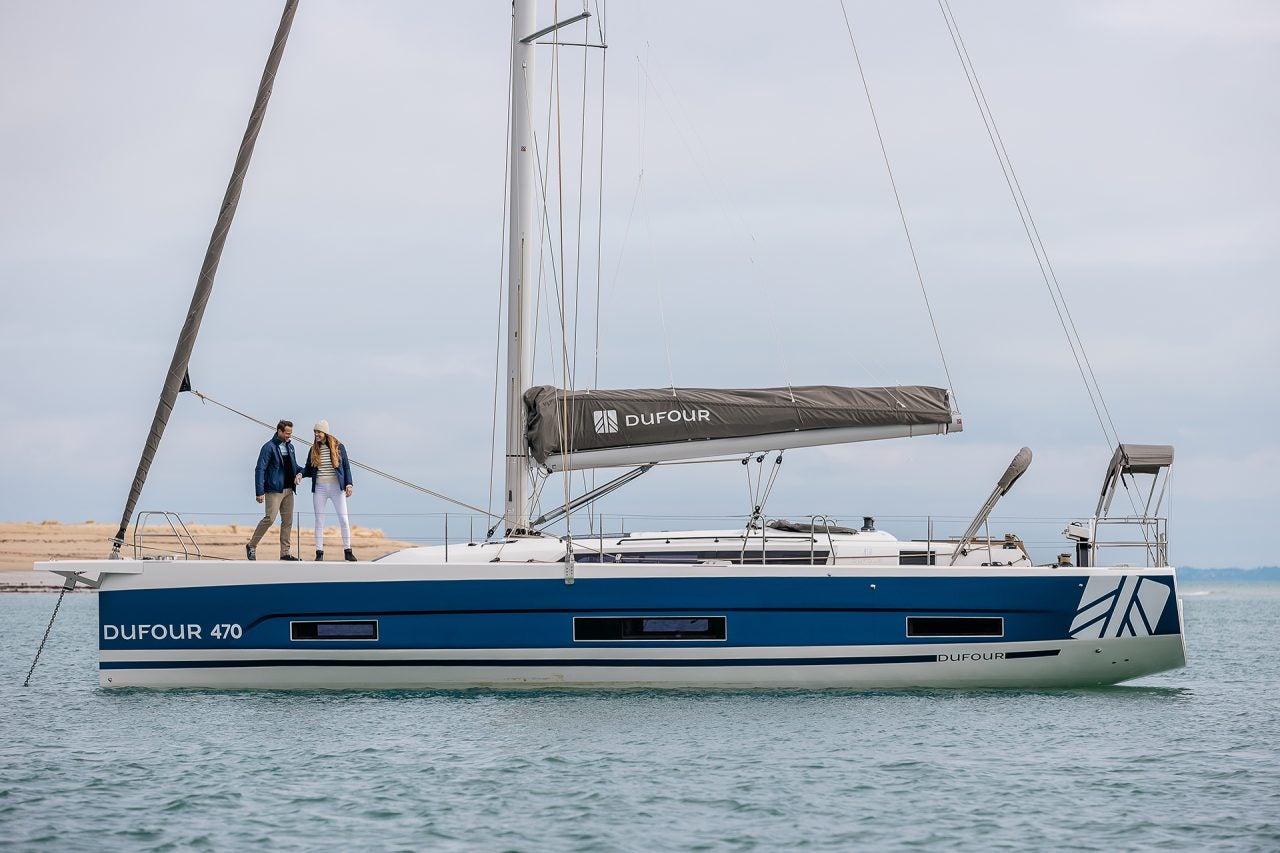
(326, 473)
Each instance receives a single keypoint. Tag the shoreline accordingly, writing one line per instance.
(23, 544)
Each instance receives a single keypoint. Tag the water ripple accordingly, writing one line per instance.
(1182, 761)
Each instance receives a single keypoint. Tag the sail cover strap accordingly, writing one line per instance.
(633, 426)
(177, 379)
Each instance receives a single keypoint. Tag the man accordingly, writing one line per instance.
(275, 477)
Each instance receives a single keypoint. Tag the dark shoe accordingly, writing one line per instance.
(250, 552)
(348, 556)
(319, 556)
(289, 557)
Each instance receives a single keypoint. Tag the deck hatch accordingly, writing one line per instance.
(337, 629)
(607, 628)
(955, 626)
(731, 555)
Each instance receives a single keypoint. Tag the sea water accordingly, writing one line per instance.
(1185, 760)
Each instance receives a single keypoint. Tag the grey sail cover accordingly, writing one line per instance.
(586, 422)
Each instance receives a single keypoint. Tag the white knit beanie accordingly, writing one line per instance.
(322, 426)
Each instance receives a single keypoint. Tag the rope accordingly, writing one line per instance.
(773, 476)
(759, 493)
(393, 478)
(27, 681)
(884, 152)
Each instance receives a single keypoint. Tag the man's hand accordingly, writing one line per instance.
(260, 498)
(297, 478)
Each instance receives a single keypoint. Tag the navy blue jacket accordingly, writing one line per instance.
(343, 468)
(268, 476)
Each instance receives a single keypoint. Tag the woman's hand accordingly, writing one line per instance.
(350, 488)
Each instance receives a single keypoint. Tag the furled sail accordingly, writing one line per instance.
(570, 430)
(178, 379)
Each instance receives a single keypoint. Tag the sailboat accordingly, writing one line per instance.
(772, 603)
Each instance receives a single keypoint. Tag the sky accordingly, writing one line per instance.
(737, 225)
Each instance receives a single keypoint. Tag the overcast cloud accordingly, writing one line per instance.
(750, 239)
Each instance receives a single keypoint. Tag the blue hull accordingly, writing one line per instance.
(1012, 627)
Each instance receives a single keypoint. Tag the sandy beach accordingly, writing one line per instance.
(22, 544)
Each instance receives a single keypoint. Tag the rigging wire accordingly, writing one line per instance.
(562, 286)
(545, 225)
(392, 477)
(502, 289)
(577, 272)
(1069, 329)
(558, 291)
(582, 172)
(1074, 342)
(604, 60)
(595, 371)
(547, 232)
(559, 285)
(884, 152)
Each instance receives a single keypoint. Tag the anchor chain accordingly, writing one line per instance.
(26, 682)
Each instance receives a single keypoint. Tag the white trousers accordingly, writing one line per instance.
(330, 492)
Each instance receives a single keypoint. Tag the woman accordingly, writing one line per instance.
(330, 473)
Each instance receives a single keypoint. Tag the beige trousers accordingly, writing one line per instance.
(281, 504)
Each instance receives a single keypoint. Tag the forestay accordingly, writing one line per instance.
(570, 430)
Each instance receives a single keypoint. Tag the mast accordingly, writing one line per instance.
(519, 281)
